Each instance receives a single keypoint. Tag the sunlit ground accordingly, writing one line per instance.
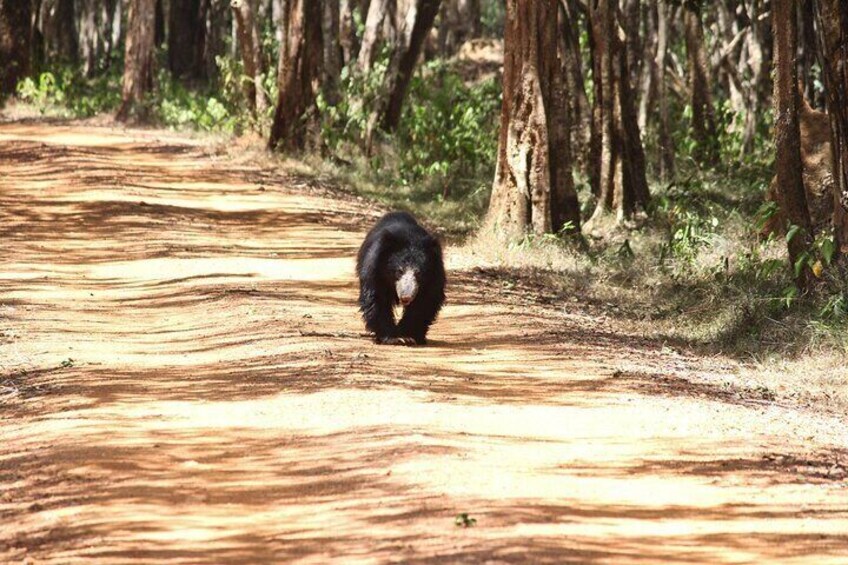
(185, 378)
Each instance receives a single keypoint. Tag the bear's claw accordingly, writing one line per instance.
(396, 341)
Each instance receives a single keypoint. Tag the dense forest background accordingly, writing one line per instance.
(683, 163)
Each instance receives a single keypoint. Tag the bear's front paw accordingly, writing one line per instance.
(396, 341)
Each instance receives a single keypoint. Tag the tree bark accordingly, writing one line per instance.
(666, 153)
(250, 46)
(623, 188)
(138, 59)
(186, 38)
(333, 55)
(703, 116)
(300, 62)
(351, 10)
(66, 39)
(832, 16)
(417, 25)
(15, 44)
(531, 190)
(602, 17)
(787, 134)
(636, 194)
(565, 208)
(580, 113)
(100, 29)
(380, 29)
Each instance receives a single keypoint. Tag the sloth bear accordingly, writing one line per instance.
(400, 263)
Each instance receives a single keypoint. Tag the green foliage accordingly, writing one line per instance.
(442, 155)
(42, 93)
(691, 220)
(464, 520)
(177, 106)
(66, 93)
(492, 16)
(343, 123)
(448, 130)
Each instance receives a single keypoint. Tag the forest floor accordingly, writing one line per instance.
(183, 377)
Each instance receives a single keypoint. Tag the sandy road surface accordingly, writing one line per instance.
(182, 378)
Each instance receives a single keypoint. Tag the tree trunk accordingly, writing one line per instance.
(186, 35)
(565, 209)
(580, 113)
(703, 117)
(623, 188)
(787, 134)
(531, 187)
(648, 77)
(159, 25)
(66, 42)
(808, 48)
(417, 25)
(15, 44)
(216, 28)
(350, 11)
(636, 194)
(300, 62)
(833, 54)
(138, 59)
(666, 156)
(380, 29)
(250, 46)
(99, 26)
(333, 55)
(602, 17)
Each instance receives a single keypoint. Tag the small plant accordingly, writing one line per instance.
(44, 93)
(463, 520)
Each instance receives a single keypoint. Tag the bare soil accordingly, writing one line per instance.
(184, 378)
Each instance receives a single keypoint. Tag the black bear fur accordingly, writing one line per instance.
(396, 244)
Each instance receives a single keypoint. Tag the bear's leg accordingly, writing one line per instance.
(378, 315)
(418, 316)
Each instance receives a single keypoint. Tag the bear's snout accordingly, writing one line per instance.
(406, 287)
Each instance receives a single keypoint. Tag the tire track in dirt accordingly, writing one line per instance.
(191, 385)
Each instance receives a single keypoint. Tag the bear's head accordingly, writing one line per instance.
(406, 268)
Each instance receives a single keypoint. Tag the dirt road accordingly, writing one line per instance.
(182, 378)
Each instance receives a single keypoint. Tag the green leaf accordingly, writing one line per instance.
(828, 249)
(793, 230)
(800, 263)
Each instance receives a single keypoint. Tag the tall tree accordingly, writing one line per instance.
(832, 17)
(701, 100)
(15, 43)
(100, 32)
(787, 134)
(67, 41)
(380, 29)
(414, 30)
(620, 171)
(333, 53)
(580, 113)
(301, 55)
(186, 38)
(404, 41)
(138, 59)
(250, 46)
(666, 146)
(533, 190)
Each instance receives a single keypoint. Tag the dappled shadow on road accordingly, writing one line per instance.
(197, 387)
